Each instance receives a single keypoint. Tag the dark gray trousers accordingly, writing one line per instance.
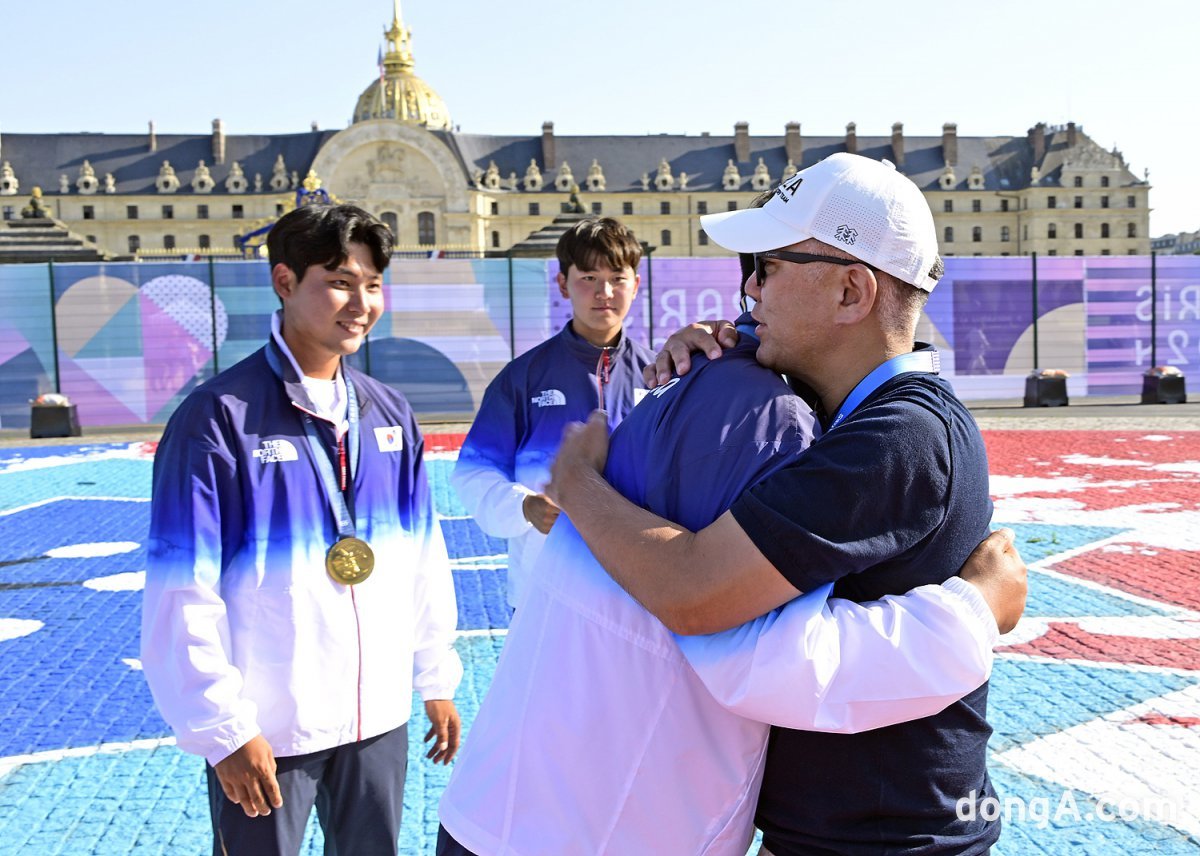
(358, 790)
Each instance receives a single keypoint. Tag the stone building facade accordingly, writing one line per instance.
(1052, 191)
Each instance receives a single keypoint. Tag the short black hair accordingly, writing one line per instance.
(598, 239)
(322, 235)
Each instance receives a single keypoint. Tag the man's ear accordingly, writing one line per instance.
(562, 285)
(283, 280)
(859, 294)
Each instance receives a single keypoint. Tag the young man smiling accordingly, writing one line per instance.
(297, 586)
(505, 460)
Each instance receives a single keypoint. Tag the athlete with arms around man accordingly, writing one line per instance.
(298, 589)
(893, 494)
(505, 459)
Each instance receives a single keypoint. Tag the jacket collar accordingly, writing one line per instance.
(585, 350)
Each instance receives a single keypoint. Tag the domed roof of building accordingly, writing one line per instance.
(399, 93)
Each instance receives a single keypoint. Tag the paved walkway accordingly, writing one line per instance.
(1095, 698)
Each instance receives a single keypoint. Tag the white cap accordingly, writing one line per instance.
(862, 206)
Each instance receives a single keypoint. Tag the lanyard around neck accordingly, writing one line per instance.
(924, 360)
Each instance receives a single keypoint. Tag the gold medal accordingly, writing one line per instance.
(350, 561)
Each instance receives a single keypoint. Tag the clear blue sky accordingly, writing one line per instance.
(1125, 71)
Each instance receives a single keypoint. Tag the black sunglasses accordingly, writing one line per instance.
(760, 272)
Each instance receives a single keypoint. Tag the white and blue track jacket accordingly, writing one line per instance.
(508, 452)
(243, 631)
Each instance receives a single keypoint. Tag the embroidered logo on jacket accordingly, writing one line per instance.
(274, 451)
(549, 398)
(390, 439)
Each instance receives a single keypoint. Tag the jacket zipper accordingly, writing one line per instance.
(603, 372)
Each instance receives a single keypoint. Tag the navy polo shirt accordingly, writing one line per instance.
(894, 497)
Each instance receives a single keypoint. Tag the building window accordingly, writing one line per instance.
(948, 235)
(702, 207)
(89, 212)
(566, 207)
(1003, 204)
(1103, 230)
(535, 209)
(1132, 252)
(948, 206)
(426, 230)
(278, 209)
(1079, 181)
(205, 242)
(731, 206)
(1052, 253)
(168, 242)
(10, 212)
(238, 213)
(201, 212)
(702, 238)
(1052, 231)
(1004, 234)
(495, 209)
(135, 243)
(1103, 201)
(1132, 230)
(168, 212)
(392, 221)
(1131, 202)
(495, 240)
(1078, 230)
(976, 205)
(131, 212)
(976, 234)
(664, 208)
(1079, 252)
(1106, 252)
(597, 207)
(1078, 201)
(626, 208)
(664, 238)
(1051, 201)
(1104, 181)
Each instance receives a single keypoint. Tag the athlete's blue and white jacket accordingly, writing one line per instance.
(508, 452)
(243, 631)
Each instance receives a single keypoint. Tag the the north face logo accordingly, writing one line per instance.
(846, 235)
(274, 451)
(549, 398)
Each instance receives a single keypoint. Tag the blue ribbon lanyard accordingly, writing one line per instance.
(924, 360)
(333, 490)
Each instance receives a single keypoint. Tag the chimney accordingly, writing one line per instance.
(1072, 136)
(898, 145)
(741, 142)
(950, 143)
(218, 141)
(153, 138)
(852, 138)
(793, 146)
(1037, 142)
(314, 125)
(549, 161)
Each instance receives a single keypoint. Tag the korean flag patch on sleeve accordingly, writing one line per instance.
(390, 439)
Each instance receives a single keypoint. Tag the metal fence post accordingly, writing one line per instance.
(54, 327)
(212, 311)
(1036, 362)
(512, 310)
(1153, 309)
(650, 295)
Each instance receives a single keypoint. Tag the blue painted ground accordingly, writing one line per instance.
(71, 685)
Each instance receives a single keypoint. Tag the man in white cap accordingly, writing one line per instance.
(893, 494)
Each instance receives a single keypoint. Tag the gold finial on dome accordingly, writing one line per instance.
(398, 93)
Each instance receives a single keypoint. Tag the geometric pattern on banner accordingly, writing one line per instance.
(97, 404)
(86, 307)
(173, 356)
(121, 336)
(122, 379)
(190, 303)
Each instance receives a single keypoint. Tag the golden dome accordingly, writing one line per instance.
(399, 93)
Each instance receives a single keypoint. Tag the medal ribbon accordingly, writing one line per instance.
(924, 360)
(342, 513)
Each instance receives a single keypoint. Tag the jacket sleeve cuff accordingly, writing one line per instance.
(975, 605)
